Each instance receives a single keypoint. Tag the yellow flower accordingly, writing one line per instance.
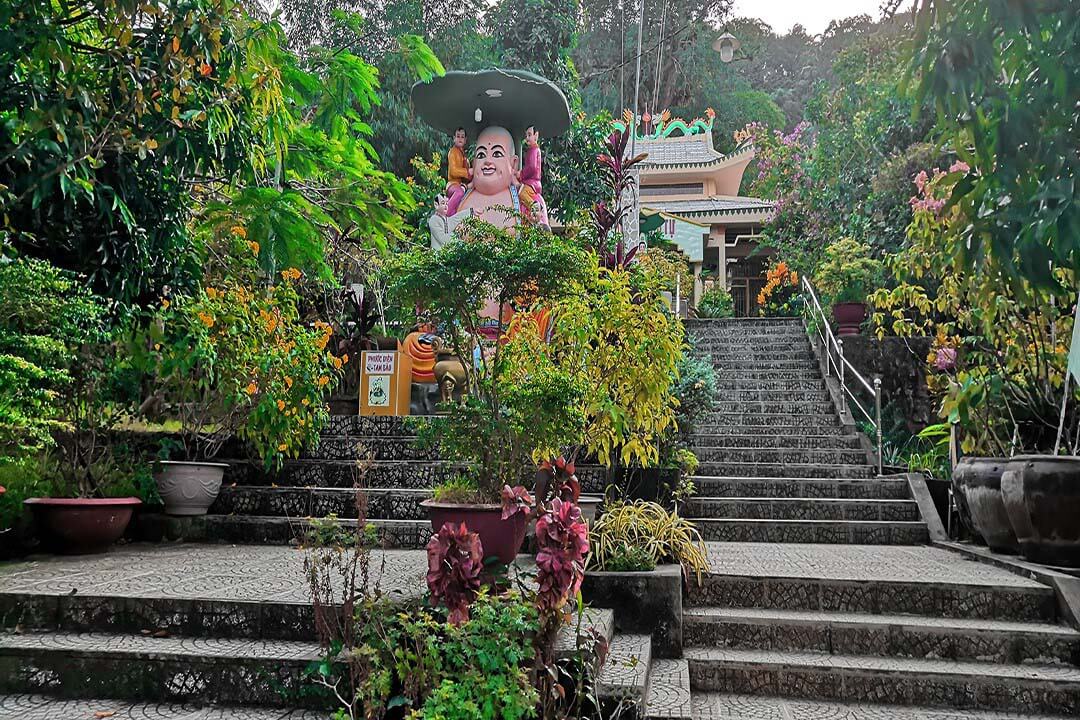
(336, 361)
(301, 421)
(280, 404)
(282, 447)
(251, 389)
(239, 231)
(290, 274)
(207, 320)
(254, 247)
(211, 293)
(345, 358)
(305, 402)
(288, 381)
(323, 380)
(165, 303)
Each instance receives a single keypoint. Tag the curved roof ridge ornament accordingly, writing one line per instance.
(513, 99)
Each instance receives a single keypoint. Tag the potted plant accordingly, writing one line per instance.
(234, 359)
(846, 277)
(55, 370)
(520, 406)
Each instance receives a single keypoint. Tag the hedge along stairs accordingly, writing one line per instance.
(824, 599)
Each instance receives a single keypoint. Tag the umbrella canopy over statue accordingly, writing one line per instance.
(513, 99)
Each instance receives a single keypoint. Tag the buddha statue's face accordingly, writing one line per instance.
(494, 161)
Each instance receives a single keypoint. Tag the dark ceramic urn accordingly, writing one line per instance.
(1041, 494)
(980, 481)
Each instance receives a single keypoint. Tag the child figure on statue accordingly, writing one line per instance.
(458, 173)
(529, 178)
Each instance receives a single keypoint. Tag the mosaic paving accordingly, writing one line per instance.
(669, 690)
(38, 707)
(708, 706)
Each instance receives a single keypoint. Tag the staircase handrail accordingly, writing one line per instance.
(830, 342)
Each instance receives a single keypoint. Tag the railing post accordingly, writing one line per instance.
(877, 410)
(843, 389)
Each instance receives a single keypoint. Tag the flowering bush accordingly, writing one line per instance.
(779, 296)
(563, 539)
(235, 358)
(455, 559)
(848, 273)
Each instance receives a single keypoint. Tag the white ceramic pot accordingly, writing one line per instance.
(189, 488)
(589, 504)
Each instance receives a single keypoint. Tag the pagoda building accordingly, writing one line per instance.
(696, 191)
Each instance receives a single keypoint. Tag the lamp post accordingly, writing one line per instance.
(727, 45)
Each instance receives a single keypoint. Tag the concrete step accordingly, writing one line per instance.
(771, 487)
(855, 592)
(345, 447)
(169, 669)
(729, 508)
(942, 683)
(742, 325)
(370, 426)
(419, 474)
(881, 635)
(383, 503)
(726, 384)
(828, 456)
(713, 706)
(274, 530)
(774, 407)
(834, 439)
(624, 678)
(669, 691)
(784, 470)
(40, 707)
(753, 427)
(777, 395)
(852, 532)
(804, 423)
(741, 367)
(780, 353)
(800, 374)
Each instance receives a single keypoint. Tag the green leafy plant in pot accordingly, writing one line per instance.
(846, 277)
(234, 359)
(56, 398)
(520, 406)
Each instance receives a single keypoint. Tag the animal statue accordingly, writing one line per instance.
(449, 372)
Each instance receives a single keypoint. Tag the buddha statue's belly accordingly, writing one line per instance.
(495, 209)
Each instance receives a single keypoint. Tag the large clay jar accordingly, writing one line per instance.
(980, 480)
(964, 512)
(849, 317)
(189, 488)
(1042, 497)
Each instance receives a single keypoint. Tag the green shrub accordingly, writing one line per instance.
(625, 557)
(848, 273)
(665, 536)
(716, 303)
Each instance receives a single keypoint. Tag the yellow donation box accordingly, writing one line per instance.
(385, 382)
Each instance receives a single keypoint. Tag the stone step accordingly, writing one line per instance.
(624, 678)
(669, 691)
(280, 530)
(784, 470)
(881, 635)
(40, 707)
(419, 474)
(776, 395)
(752, 344)
(853, 592)
(829, 456)
(343, 447)
(741, 368)
(806, 423)
(942, 683)
(383, 503)
(774, 407)
(801, 374)
(770, 487)
(776, 439)
(705, 433)
(758, 353)
(729, 508)
(853, 532)
(169, 669)
(713, 706)
(726, 384)
(370, 425)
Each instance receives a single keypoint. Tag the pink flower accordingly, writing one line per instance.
(945, 359)
(959, 166)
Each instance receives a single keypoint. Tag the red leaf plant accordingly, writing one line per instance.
(455, 559)
(563, 539)
(514, 500)
(616, 167)
(559, 480)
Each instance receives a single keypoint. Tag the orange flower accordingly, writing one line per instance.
(323, 380)
(336, 361)
(280, 404)
(288, 381)
(211, 293)
(794, 278)
(165, 303)
(251, 389)
(345, 358)
(254, 246)
(305, 402)
(282, 447)
(239, 231)
(290, 274)
(207, 319)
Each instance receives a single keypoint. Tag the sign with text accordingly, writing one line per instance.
(385, 382)
(379, 363)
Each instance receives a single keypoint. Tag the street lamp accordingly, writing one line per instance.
(726, 45)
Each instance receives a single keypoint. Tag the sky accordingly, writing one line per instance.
(814, 15)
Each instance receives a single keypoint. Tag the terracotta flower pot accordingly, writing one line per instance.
(189, 488)
(498, 537)
(980, 480)
(79, 526)
(1042, 497)
(849, 317)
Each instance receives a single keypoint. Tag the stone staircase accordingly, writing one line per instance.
(823, 599)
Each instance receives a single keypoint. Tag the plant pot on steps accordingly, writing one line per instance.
(849, 317)
(980, 481)
(1042, 498)
(81, 526)
(499, 538)
(589, 505)
(189, 488)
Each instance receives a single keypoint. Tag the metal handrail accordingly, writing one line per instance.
(843, 367)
